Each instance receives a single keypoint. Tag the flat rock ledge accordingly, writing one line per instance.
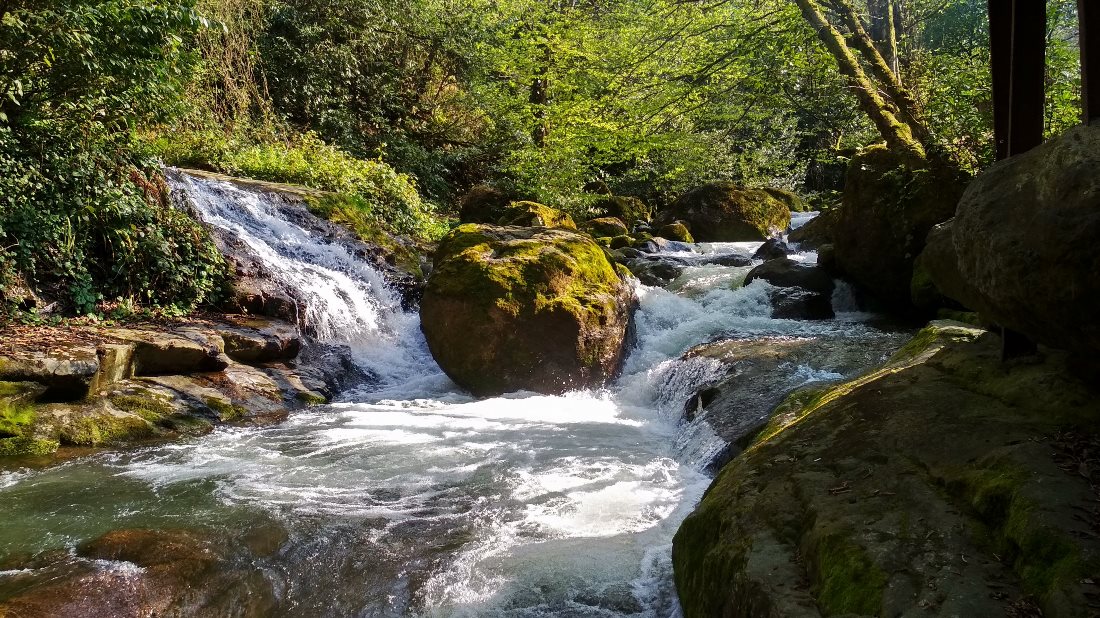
(94, 386)
(944, 483)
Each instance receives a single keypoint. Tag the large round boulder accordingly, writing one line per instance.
(525, 308)
(483, 204)
(790, 199)
(726, 212)
(802, 292)
(890, 204)
(1023, 248)
(628, 209)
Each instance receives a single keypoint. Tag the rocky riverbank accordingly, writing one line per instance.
(93, 385)
(943, 482)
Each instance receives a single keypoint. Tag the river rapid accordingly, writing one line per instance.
(407, 496)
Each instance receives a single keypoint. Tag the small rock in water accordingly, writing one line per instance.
(772, 249)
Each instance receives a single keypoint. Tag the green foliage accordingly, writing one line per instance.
(78, 215)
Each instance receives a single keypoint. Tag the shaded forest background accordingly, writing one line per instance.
(403, 105)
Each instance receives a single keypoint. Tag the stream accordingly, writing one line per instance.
(407, 496)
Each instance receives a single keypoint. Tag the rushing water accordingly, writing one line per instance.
(409, 497)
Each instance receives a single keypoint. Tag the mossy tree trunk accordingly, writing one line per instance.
(885, 71)
(899, 135)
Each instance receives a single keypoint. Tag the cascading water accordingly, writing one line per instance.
(408, 497)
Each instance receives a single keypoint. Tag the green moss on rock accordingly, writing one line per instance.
(533, 214)
(508, 308)
(846, 580)
(103, 428)
(606, 227)
(676, 230)
(724, 211)
(227, 411)
(27, 446)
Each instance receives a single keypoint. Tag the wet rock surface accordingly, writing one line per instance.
(140, 573)
(944, 482)
(94, 386)
(802, 291)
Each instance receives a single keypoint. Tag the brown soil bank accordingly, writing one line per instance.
(944, 484)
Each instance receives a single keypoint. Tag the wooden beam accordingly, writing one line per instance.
(1000, 48)
(1088, 12)
(1027, 91)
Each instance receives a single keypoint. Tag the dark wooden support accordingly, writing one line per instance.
(1017, 32)
(1027, 91)
(1088, 11)
(1000, 48)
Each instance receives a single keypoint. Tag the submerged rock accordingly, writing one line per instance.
(1022, 249)
(943, 483)
(890, 204)
(144, 573)
(512, 308)
(724, 212)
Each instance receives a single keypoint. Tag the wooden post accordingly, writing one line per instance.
(1089, 35)
(1000, 52)
(1017, 43)
(1027, 89)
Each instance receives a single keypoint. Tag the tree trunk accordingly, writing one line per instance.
(898, 134)
(539, 97)
(908, 110)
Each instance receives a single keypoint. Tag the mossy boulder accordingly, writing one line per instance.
(1023, 247)
(916, 488)
(483, 204)
(790, 199)
(606, 226)
(890, 204)
(677, 230)
(630, 210)
(727, 212)
(533, 214)
(520, 308)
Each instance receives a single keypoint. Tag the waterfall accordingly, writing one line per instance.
(343, 298)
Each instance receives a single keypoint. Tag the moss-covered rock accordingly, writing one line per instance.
(629, 210)
(890, 204)
(724, 211)
(606, 226)
(533, 214)
(510, 308)
(918, 487)
(790, 199)
(483, 204)
(677, 230)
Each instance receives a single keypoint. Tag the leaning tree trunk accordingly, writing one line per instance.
(898, 134)
(906, 103)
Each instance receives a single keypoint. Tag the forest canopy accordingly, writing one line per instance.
(406, 104)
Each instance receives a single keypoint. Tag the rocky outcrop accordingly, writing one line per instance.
(723, 211)
(890, 204)
(514, 308)
(1022, 249)
(804, 291)
(944, 483)
(90, 386)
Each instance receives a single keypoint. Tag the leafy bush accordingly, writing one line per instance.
(380, 193)
(78, 216)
